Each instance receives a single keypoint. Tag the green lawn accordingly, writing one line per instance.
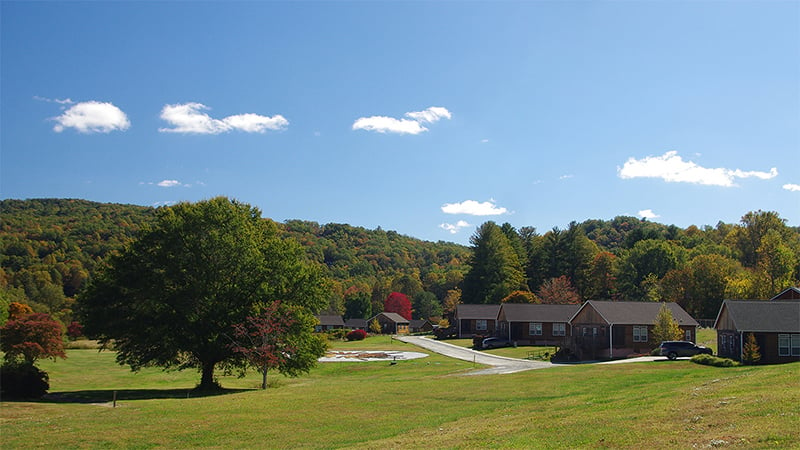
(417, 403)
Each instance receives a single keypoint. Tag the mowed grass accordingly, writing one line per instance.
(417, 403)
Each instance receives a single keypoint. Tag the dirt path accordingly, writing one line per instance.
(500, 364)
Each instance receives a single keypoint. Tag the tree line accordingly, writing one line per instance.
(52, 247)
(636, 260)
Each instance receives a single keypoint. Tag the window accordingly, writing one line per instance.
(480, 325)
(688, 336)
(789, 345)
(535, 329)
(559, 329)
(784, 344)
(639, 334)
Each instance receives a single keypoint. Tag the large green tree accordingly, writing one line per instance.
(172, 296)
(495, 269)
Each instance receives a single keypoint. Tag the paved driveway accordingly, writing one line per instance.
(500, 364)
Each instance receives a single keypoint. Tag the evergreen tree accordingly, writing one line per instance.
(495, 270)
(665, 327)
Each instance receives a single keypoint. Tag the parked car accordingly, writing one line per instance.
(495, 342)
(674, 349)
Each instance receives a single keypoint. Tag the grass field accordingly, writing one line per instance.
(417, 403)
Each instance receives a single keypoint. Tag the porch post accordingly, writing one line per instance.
(610, 341)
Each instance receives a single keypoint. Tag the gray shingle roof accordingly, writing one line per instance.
(470, 312)
(764, 316)
(638, 313)
(329, 320)
(515, 312)
(394, 317)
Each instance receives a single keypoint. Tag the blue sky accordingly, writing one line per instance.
(424, 118)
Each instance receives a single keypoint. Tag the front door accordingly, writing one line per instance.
(618, 336)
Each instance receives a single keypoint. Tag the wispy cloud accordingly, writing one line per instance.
(91, 117)
(648, 214)
(672, 168)
(566, 176)
(169, 183)
(412, 124)
(792, 187)
(190, 118)
(454, 228)
(474, 208)
(65, 101)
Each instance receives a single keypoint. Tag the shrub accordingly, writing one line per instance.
(337, 334)
(356, 335)
(23, 381)
(708, 360)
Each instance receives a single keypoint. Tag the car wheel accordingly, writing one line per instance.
(672, 355)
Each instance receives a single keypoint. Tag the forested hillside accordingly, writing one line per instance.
(50, 248)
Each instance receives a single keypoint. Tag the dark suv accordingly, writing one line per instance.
(674, 349)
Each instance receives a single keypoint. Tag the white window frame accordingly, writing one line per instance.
(481, 325)
(535, 329)
(559, 329)
(784, 345)
(687, 335)
(640, 334)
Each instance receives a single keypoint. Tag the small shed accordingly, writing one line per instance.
(420, 326)
(356, 324)
(474, 320)
(391, 323)
(774, 324)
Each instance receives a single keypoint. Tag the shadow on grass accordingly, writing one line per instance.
(109, 395)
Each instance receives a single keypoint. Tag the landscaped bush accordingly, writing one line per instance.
(336, 334)
(356, 335)
(708, 360)
(23, 381)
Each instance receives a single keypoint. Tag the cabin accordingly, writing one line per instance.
(775, 324)
(391, 323)
(791, 293)
(328, 322)
(607, 329)
(420, 326)
(532, 324)
(356, 324)
(474, 320)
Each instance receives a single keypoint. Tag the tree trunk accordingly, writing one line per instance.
(207, 379)
(264, 377)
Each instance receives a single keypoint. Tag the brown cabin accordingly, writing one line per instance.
(775, 324)
(391, 323)
(606, 329)
(329, 322)
(532, 324)
(474, 320)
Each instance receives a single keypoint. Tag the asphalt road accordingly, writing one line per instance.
(499, 364)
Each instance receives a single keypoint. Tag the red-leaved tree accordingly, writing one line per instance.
(31, 337)
(262, 339)
(558, 291)
(398, 303)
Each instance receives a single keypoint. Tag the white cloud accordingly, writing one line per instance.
(189, 118)
(648, 214)
(412, 124)
(383, 124)
(169, 183)
(566, 177)
(430, 115)
(484, 141)
(474, 208)
(672, 168)
(453, 229)
(792, 187)
(92, 117)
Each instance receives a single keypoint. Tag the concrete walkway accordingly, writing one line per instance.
(500, 364)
